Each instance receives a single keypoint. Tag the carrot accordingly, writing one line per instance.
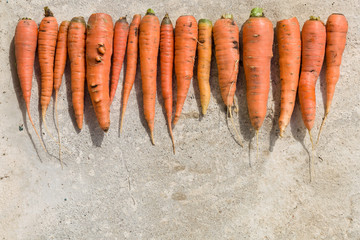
(313, 38)
(99, 42)
(60, 62)
(149, 46)
(120, 37)
(166, 68)
(186, 33)
(336, 30)
(289, 42)
(25, 47)
(76, 50)
(48, 32)
(131, 62)
(204, 62)
(258, 35)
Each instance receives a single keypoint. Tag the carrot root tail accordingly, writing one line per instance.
(176, 119)
(233, 124)
(311, 165)
(171, 136)
(282, 130)
(57, 128)
(32, 123)
(257, 144)
(152, 137)
(321, 126)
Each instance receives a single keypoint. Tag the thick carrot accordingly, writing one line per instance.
(166, 68)
(76, 49)
(48, 32)
(186, 33)
(336, 30)
(25, 47)
(313, 39)
(131, 62)
(149, 46)
(120, 38)
(289, 42)
(99, 42)
(60, 62)
(258, 36)
(204, 62)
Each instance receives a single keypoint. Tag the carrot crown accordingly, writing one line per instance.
(25, 18)
(78, 19)
(227, 16)
(257, 12)
(205, 21)
(166, 20)
(48, 12)
(315, 18)
(122, 19)
(150, 12)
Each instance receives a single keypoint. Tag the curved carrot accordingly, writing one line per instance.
(258, 36)
(149, 46)
(76, 49)
(99, 42)
(121, 31)
(336, 30)
(48, 32)
(25, 47)
(186, 33)
(60, 62)
(204, 62)
(166, 68)
(131, 62)
(289, 42)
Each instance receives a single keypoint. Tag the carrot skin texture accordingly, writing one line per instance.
(76, 50)
(313, 38)
(61, 54)
(204, 62)
(48, 31)
(336, 30)
(289, 42)
(166, 68)
(149, 40)
(131, 62)
(186, 33)
(121, 31)
(99, 47)
(258, 37)
(226, 40)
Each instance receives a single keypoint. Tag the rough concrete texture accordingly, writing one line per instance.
(124, 188)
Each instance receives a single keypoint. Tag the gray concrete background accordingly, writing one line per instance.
(124, 188)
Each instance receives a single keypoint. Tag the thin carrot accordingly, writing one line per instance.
(149, 46)
(76, 49)
(313, 38)
(99, 42)
(289, 42)
(204, 62)
(25, 47)
(186, 33)
(48, 31)
(131, 62)
(336, 30)
(258, 36)
(166, 68)
(121, 31)
(60, 62)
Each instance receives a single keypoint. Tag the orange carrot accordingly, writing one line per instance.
(204, 62)
(48, 32)
(120, 37)
(289, 42)
(336, 30)
(258, 35)
(60, 62)
(166, 68)
(131, 62)
(99, 42)
(149, 46)
(25, 47)
(76, 49)
(186, 33)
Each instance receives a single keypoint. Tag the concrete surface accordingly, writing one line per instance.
(124, 188)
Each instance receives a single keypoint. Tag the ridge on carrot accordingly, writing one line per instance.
(336, 30)
(149, 40)
(131, 63)
(25, 41)
(258, 35)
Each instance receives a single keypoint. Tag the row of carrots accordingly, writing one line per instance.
(97, 49)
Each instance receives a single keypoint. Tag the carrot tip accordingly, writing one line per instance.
(257, 12)
(152, 137)
(282, 132)
(176, 119)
